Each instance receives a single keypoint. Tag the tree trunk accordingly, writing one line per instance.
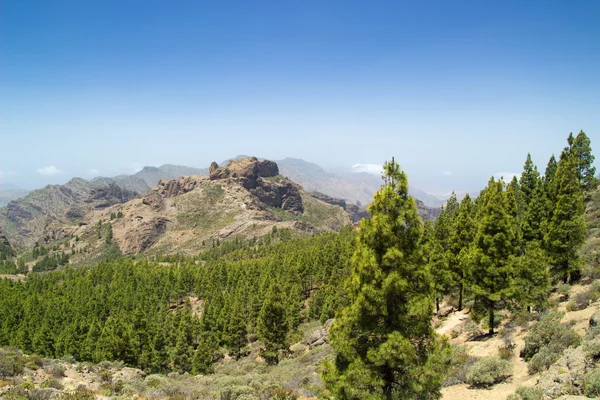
(491, 321)
(529, 309)
(460, 297)
(437, 304)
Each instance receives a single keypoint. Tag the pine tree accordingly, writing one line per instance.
(271, 327)
(461, 242)
(584, 161)
(109, 234)
(550, 171)
(386, 346)
(535, 220)
(202, 363)
(494, 249)
(516, 209)
(529, 179)
(566, 227)
(533, 277)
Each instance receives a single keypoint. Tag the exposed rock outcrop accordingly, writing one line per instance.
(250, 173)
(354, 212)
(143, 235)
(106, 196)
(176, 187)
(247, 171)
(282, 194)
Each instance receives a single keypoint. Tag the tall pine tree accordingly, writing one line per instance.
(566, 227)
(584, 160)
(386, 346)
(494, 250)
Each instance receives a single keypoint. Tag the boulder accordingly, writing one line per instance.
(595, 319)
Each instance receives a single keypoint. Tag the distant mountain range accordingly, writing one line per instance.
(31, 216)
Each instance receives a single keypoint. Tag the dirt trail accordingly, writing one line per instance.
(452, 322)
(503, 390)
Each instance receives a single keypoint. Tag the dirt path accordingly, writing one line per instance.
(501, 391)
(452, 322)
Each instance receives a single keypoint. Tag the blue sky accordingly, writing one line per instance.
(455, 90)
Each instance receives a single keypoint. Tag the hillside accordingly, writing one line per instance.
(41, 214)
(247, 198)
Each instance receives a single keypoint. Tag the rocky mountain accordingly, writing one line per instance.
(41, 215)
(246, 198)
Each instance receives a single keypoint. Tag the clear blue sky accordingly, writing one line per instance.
(455, 90)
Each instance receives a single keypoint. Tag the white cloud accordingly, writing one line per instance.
(375, 169)
(447, 173)
(49, 170)
(508, 176)
(93, 172)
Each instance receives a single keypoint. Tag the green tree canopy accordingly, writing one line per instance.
(386, 346)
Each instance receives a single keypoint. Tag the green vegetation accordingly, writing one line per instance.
(386, 346)
(140, 313)
(547, 341)
(488, 371)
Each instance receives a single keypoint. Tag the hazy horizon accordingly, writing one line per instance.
(457, 92)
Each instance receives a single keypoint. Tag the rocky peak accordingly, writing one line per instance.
(246, 170)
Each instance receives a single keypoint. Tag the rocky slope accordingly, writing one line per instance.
(246, 198)
(43, 214)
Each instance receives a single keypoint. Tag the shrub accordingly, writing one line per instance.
(34, 362)
(57, 371)
(11, 363)
(472, 329)
(461, 362)
(542, 360)
(506, 353)
(563, 291)
(527, 393)
(549, 332)
(52, 383)
(591, 384)
(79, 394)
(488, 371)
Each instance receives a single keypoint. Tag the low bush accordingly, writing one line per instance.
(11, 363)
(549, 332)
(506, 353)
(34, 362)
(53, 384)
(563, 291)
(488, 371)
(542, 360)
(461, 362)
(527, 393)
(592, 384)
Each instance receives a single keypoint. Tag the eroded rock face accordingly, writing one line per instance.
(144, 235)
(106, 196)
(328, 199)
(283, 194)
(246, 171)
(176, 187)
(249, 172)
